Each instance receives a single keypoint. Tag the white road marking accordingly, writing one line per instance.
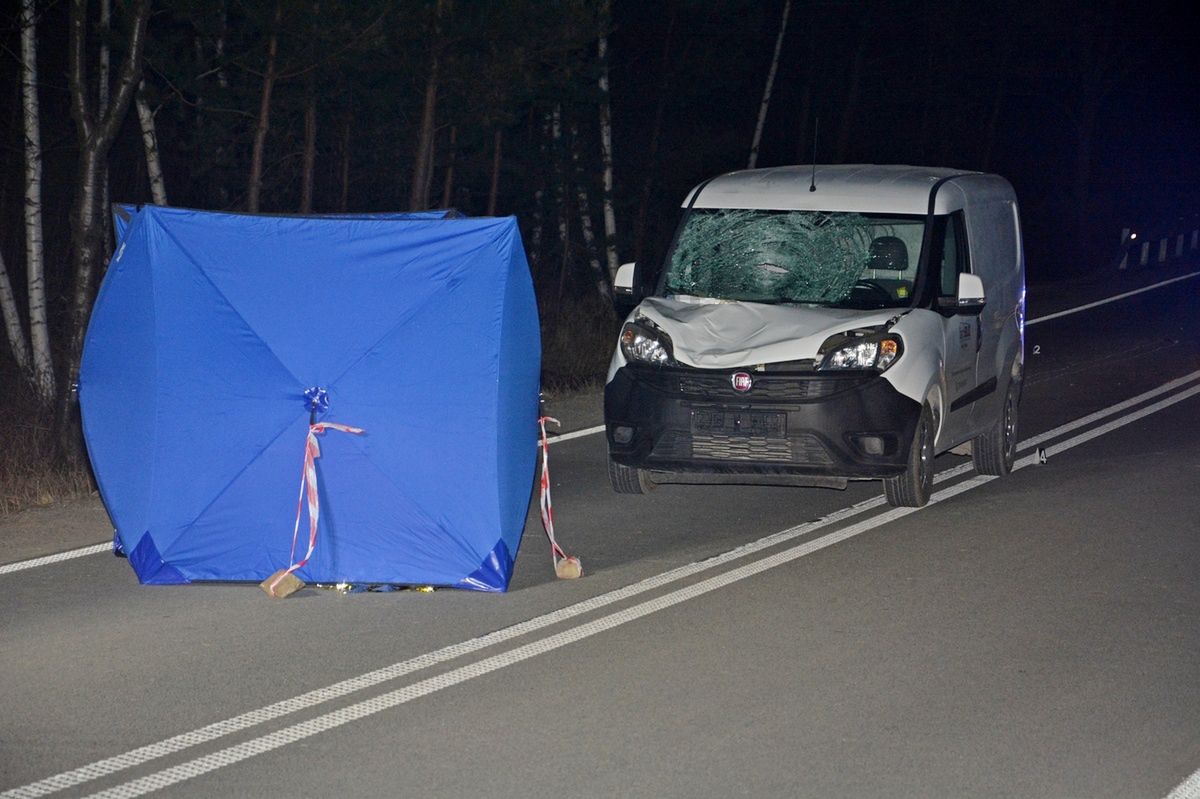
(58, 557)
(1188, 789)
(575, 434)
(1107, 300)
(312, 699)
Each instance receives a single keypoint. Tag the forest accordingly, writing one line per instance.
(587, 120)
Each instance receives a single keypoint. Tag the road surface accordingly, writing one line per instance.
(1035, 635)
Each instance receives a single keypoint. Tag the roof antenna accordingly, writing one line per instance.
(816, 127)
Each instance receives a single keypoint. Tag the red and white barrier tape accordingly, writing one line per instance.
(564, 565)
(308, 484)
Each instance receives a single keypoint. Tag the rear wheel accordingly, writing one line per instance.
(628, 479)
(994, 451)
(911, 488)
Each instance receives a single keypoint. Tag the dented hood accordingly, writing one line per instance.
(716, 334)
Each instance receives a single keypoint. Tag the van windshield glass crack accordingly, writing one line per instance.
(806, 257)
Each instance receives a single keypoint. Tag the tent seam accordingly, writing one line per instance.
(470, 259)
(233, 307)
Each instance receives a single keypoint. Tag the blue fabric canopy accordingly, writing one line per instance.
(207, 332)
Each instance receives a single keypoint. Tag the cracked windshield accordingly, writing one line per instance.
(805, 257)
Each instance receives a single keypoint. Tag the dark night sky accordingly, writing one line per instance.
(1144, 165)
(929, 74)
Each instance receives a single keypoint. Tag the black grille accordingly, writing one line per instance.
(716, 446)
(803, 449)
(765, 386)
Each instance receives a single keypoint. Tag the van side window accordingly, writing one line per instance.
(955, 260)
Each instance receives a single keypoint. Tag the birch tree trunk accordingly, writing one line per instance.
(766, 100)
(639, 236)
(448, 180)
(39, 335)
(96, 133)
(254, 189)
(560, 202)
(310, 146)
(606, 150)
(102, 78)
(158, 186)
(418, 197)
(585, 218)
(494, 190)
(539, 200)
(12, 322)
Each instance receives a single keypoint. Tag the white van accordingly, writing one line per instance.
(810, 326)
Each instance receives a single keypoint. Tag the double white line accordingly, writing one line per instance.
(1129, 411)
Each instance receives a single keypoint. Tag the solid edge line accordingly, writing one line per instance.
(1188, 789)
(337, 718)
(1107, 300)
(588, 431)
(316, 697)
(58, 557)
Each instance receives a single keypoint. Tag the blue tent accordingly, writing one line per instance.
(210, 328)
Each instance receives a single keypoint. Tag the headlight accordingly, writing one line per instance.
(847, 351)
(641, 343)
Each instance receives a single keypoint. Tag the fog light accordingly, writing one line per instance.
(871, 445)
(622, 435)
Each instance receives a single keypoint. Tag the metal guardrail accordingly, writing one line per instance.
(1158, 244)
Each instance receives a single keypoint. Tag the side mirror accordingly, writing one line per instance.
(971, 297)
(623, 280)
(625, 289)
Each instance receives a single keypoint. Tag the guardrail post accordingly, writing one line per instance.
(1162, 250)
(1195, 239)
(1145, 254)
(1179, 246)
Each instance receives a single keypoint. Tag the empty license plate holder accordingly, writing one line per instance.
(734, 422)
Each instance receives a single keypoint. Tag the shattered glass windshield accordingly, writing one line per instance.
(805, 257)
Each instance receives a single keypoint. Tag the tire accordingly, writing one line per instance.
(629, 480)
(911, 488)
(994, 451)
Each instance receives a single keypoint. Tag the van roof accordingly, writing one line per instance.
(861, 188)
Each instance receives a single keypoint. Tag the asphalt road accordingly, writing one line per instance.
(1036, 635)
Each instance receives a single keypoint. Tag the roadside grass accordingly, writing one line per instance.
(31, 474)
(577, 343)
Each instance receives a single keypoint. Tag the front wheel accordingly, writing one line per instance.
(995, 451)
(629, 480)
(911, 488)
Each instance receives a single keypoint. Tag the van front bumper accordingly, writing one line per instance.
(819, 424)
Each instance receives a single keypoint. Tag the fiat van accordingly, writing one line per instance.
(814, 325)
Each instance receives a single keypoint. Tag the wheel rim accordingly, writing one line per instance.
(926, 462)
(1010, 425)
